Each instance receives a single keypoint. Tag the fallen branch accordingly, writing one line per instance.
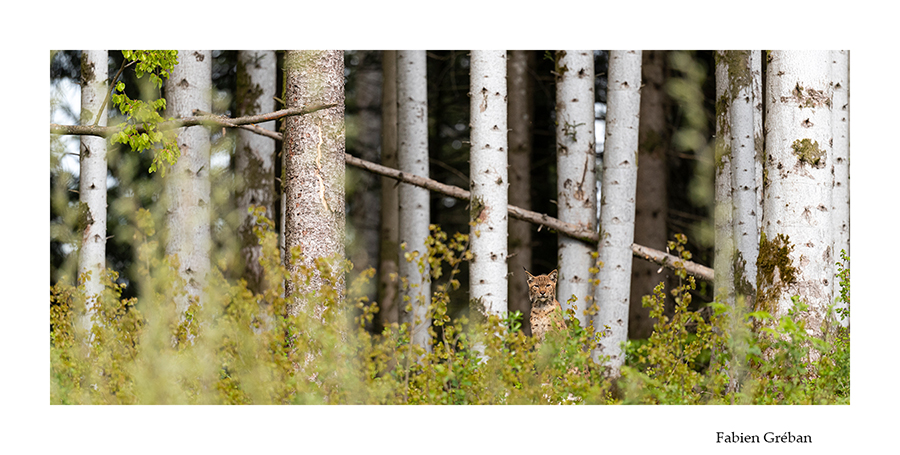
(569, 229)
(672, 262)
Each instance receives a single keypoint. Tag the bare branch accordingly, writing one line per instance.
(672, 262)
(300, 110)
(83, 130)
(107, 131)
(569, 229)
(252, 128)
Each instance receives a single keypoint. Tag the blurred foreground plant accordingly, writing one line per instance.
(242, 347)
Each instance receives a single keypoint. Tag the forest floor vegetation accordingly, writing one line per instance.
(235, 346)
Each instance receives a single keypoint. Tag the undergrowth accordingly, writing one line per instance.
(234, 346)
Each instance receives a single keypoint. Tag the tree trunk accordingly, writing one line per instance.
(254, 154)
(364, 203)
(724, 206)
(617, 207)
(188, 188)
(314, 172)
(92, 178)
(576, 184)
(415, 204)
(840, 74)
(746, 139)
(521, 113)
(759, 113)
(488, 271)
(390, 229)
(799, 166)
(651, 203)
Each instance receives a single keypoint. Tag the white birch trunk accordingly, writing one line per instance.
(390, 229)
(520, 115)
(743, 171)
(188, 186)
(618, 205)
(415, 206)
(724, 206)
(576, 181)
(799, 170)
(760, 134)
(840, 74)
(255, 154)
(92, 178)
(488, 272)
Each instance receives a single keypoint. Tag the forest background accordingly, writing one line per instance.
(856, 427)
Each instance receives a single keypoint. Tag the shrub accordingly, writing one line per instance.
(234, 346)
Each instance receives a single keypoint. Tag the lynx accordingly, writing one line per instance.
(546, 314)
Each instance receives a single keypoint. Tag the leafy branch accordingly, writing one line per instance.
(146, 114)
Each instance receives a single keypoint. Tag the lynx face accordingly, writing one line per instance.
(542, 288)
(546, 313)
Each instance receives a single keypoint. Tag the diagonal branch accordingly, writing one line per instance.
(569, 229)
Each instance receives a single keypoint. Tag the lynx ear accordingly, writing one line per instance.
(530, 277)
(553, 275)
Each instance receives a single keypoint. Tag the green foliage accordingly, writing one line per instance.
(112, 345)
(669, 366)
(235, 346)
(141, 131)
(155, 63)
(731, 356)
(843, 277)
(671, 360)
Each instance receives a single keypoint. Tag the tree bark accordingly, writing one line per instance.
(746, 139)
(617, 208)
(254, 154)
(799, 178)
(840, 122)
(188, 185)
(488, 270)
(92, 178)
(314, 172)
(576, 184)
(651, 202)
(521, 113)
(415, 204)
(724, 205)
(390, 229)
